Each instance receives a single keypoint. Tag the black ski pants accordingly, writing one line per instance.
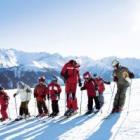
(42, 108)
(90, 103)
(24, 108)
(55, 107)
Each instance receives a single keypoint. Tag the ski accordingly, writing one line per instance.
(47, 119)
(64, 117)
(19, 120)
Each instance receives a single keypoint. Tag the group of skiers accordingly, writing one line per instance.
(70, 73)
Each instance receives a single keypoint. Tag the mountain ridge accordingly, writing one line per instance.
(18, 65)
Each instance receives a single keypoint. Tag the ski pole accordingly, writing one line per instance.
(129, 97)
(49, 106)
(9, 113)
(16, 107)
(35, 108)
(112, 91)
(65, 100)
(81, 102)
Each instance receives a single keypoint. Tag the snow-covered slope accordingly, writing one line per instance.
(124, 126)
(18, 65)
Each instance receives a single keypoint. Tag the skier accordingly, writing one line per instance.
(54, 94)
(101, 87)
(40, 92)
(25, 96)
(70, 73)
(92, 93)
(122, 76)
(4, 98)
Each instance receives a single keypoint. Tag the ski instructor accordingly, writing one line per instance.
(122, 76)
(70, 74)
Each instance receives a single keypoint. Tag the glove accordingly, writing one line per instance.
(14, 95)
(131, 75)
(82, 88)
(128, 80)
(28, 90)
(80, 84)
(108, 82)
(96, 88)
(115, 79)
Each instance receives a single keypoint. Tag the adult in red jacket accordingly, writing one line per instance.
(91, 87)
(70, 73)
(40, 93)
(4, 104)
(54, 94)
(101, 87)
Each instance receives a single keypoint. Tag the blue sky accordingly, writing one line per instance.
(94, 28)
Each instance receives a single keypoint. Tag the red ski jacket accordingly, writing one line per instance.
(90, 86)
(40, 92)
(54, 90)
(100, 83)
(4, 98)
(70, 73)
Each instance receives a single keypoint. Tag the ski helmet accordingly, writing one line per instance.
(86, 75)
(41, 79)
(73, 62)
(115, 62)
(20, 84)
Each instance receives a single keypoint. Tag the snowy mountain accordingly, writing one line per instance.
(18, 65)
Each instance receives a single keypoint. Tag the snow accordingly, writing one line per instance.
(124, 126)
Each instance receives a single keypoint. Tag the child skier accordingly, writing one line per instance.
(4, 98)
(25, 96)
(40, 92)
(101, 87)
(54, 94)
(91, 87)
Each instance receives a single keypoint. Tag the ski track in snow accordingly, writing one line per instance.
(124, 126)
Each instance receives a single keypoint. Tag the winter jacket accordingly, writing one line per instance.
(120, 74)
(100, 84)
(25, 93)
(70, 73)
(4, 98)
(54, 90)
(91, 87)
(40, 92)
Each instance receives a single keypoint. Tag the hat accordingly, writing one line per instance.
(21, 84)
(115, 62)
(86, 75)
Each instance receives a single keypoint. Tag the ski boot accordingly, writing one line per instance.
(71, 111)
(65, 114)
(89, 112)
